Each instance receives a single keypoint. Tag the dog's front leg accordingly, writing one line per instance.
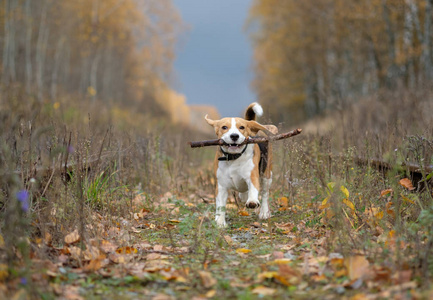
(221, 201)
(253, 193)
(264, 209)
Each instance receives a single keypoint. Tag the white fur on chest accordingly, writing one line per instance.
(236, 174)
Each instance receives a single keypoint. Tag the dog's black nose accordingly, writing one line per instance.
(234, 137)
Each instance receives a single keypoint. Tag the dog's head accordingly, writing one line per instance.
(233, 131)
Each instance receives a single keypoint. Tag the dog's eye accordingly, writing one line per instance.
(242, 127)
(224, 127)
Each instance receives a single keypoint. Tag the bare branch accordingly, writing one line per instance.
(251, 140)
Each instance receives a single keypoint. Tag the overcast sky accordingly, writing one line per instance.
(213, 64)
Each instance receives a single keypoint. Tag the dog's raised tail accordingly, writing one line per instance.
(253, 110)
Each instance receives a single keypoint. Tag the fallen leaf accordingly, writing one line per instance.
(153, 256)
(107, 246)
(210, 294)
(385, 192)
(267, 275)
(207, 279)
(73, 237)
(379, 215)
(126, 250)
(75, 252)
(243, 250)
(405, 182)
(349, 204)
(263, 291)
(357, 266)
(283, 202)
(228, 239)
(117, 258)
(91, 252)
(324, 204)
(158, 247)
(243, 213)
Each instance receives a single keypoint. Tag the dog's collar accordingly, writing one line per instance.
(229, 156)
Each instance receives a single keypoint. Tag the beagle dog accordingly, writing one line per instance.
(242, 167)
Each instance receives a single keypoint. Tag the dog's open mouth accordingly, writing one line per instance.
(234, 147)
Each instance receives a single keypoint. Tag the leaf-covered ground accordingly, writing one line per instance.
(169, 248)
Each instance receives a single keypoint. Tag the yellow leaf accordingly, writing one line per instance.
(280, 261)
(349, 203)
(283, 202)
(406, 183)
(174, 221)
(345, 191)
(267, 275)
(379, 215)
(243, 213)
(2, 241)
(331, 186)
(325, 203)
(243, 250)
(73, 237)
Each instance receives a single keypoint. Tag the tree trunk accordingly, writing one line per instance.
(427, 43)
(28, 43)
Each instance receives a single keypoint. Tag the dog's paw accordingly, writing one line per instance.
(252, 204)
(264, 214)
(221, 221)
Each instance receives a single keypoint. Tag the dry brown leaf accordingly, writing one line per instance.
(357, 266)
(153, 256)
(91, 252)
(263, 291)
(75, 252)
(405, 182)
(158, 247)
(210, 294)
(228, 239)
(107, 246)
(385, 192)
(207, 279)
(117, 258)
(243, 213)
(73, 237)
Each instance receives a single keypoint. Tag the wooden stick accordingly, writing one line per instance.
(251, 140)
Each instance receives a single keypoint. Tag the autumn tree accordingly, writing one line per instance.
(310, 56)
(113, 50)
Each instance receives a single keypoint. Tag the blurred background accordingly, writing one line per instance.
(172, 62)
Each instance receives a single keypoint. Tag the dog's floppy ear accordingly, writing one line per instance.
(255, 127)
(209, 121)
